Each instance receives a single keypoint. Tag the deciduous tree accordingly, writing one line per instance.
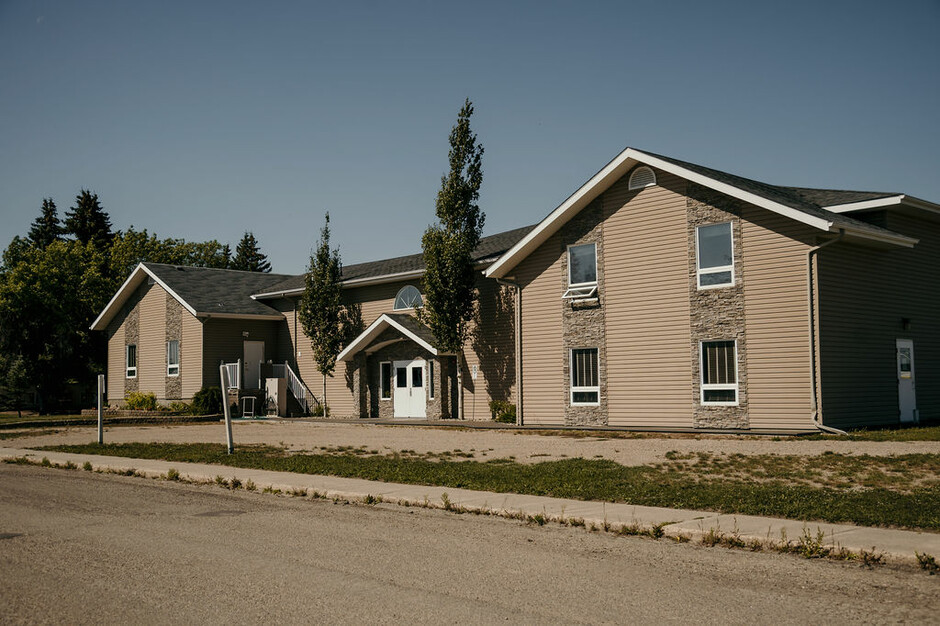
(449, 289)
(328, 323)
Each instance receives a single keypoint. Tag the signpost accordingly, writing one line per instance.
(227, 411)
(101, 389)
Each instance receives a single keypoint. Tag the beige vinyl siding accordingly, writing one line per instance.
(543, 389)
(864, 294)
(151, 347)
(191, 355)
(223, 341)
(646, 284)
(116, 361)
(779, 388)
(492, 348)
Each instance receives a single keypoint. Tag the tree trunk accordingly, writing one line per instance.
(325, 409)
(460, 384)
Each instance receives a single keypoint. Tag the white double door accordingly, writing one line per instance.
(410, 395)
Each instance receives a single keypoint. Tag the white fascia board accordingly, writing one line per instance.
(374, 330)
(880, 203)
(276, 294)
(121, 296)
(564, 211)
(116, 299)
(894, 239)
(610, 173)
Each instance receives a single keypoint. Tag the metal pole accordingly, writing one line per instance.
(223, 376)
(101, 384)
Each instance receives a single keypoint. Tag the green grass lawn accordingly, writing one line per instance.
(912, 433)
(9, 418)
(840, 492)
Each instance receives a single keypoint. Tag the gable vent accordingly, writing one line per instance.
(642, 177)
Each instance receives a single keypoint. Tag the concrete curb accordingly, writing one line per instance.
(893, 546)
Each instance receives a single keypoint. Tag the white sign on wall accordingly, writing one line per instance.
(473, 371)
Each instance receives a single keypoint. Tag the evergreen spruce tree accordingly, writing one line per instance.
(328, 323)
(449, 290)
(88, 222)
(248, 256)
(46, 228)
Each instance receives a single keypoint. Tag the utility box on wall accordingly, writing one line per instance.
(275, 394)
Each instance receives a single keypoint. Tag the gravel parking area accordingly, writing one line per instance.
(475, 444)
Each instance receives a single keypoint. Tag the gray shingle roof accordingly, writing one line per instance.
(489, 248)
(210, 290)
(809, 201)
(412, 324)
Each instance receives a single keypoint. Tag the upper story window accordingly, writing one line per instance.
(408, 298)
(642, 177)
(582, 271)
(714, 255)
(172, 358)
(131, 361)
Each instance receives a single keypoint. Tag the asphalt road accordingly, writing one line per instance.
(83, 548)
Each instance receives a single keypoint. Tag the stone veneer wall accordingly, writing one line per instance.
(583, 324)
(716, 314)
(131, 316)
(174, 331)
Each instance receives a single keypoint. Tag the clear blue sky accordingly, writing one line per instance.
(204, 119)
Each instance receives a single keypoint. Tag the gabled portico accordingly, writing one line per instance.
(397, 373)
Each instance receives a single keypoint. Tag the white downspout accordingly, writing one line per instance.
(816, 419)
(518, 344)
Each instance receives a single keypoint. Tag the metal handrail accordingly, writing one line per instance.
(299, 389)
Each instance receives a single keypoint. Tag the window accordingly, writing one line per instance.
(582, 271)
(172, 358)
(401, 377)
(417, 376)
(408, 298)
(431, 380)
(585, 381)
(385, 382)
(642, 177)
(131, 361)
(714, 255)
(719, 373)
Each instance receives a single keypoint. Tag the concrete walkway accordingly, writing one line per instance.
(895, 546)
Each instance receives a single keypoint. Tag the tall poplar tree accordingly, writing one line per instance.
(46, 228)
(328, 323)
(449, 289)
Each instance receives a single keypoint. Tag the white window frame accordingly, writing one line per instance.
(407, 308)
(128, 368)
(699, 271)
(170, 366)
(703, 386)
(571, 372)
(581, 291)
(391, 376)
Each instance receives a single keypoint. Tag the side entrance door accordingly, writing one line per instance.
(254, 355)
(410, 398)
(907, 391)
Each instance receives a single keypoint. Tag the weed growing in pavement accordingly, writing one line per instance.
(220, 481)
(298, 492)
(69, 465)
(45, 462)
(87, 466)
(370, 499)
(927, 562)
(250, 485)
(172, 474)
(446, 504)
(235, 483)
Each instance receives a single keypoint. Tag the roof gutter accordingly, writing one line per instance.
(816, 418)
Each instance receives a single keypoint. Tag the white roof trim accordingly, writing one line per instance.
(606, 177)
(889, 201)
(374, 330)
(119, 298)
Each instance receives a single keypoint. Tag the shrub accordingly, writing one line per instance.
(503, 411)
(321, 410)
(180, 407)
(207, 401)
(141, 401)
